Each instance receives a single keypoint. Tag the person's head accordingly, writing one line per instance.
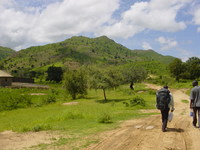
(195, 83)
(166, 87)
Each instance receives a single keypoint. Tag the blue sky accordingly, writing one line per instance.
(170, 27)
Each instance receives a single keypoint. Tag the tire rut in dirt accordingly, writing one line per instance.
(184, 124)
(130, 137)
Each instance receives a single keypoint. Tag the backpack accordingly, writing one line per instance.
(162, 99)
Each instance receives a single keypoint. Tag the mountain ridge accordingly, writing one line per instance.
(5, 52)
(79, 50)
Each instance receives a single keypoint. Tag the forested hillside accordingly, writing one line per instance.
(5, 52)
(152, 55)
(78, 51)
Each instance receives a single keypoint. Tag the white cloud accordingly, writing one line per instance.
(14, 25)
(146, 46)
(56, 21)
(185, 54)
(22, 25)
(71, 18)
(166, 43)
(197, 16)
(7, 3)
(195, 12)
(155, 15)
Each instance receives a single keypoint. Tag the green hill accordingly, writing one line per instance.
(5, 52)
(154, 56)
(78, 51)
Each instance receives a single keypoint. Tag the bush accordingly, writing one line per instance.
(10, 101)
(135, 101)
(40, 127)
(152, 92)
(71, 115)
(75, 83)
(36, 128)
(104, 118)
(50, 99)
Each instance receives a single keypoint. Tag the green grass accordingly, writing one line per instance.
(185, 101)
(181, 84)
(171, 82)
(90, 116)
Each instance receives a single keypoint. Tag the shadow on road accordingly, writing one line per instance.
(175, 130)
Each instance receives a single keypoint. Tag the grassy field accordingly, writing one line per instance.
(171, 82)
(91, 115)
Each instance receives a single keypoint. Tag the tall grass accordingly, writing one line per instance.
(11, 99)
(171, 82)
(91, 115)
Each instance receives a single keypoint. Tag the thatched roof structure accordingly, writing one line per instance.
(5, 74)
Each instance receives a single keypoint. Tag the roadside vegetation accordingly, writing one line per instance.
(94, 85)
(91, 114)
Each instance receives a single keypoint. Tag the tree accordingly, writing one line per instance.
(1, 67)
(75, 82)
(176, 68)
(133, 74)
(193, 67)
(54, 74)
(101, 79)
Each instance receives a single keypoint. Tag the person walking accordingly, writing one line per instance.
(165, 102)
(195, 103)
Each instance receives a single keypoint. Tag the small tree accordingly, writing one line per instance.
(100, 79)
(193, 67)
(75, 82)
(176, 68)
(133, 74)
(54, 74)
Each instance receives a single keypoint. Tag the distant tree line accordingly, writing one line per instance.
(185, 70)
(77, 81)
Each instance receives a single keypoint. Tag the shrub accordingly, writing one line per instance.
(50, 99)
(10, 101)
(38, 128)
(71, 115)
(152, 92)
(135, 101)
(54, 74)
(75, 83)
(105, 118)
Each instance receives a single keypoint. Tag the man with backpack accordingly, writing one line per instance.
(195, 103)
(164, 101)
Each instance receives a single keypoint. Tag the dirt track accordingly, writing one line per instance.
(146, 134)
(138, 134)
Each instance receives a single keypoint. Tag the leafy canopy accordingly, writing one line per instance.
(75, 82)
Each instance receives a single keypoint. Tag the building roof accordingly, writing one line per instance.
(4, 74)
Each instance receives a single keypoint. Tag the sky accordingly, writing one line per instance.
(169, 27)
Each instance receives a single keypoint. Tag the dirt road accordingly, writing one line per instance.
(137, 134)
(146, 134)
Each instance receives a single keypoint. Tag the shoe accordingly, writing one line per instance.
(164, 130)
(194, 126)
